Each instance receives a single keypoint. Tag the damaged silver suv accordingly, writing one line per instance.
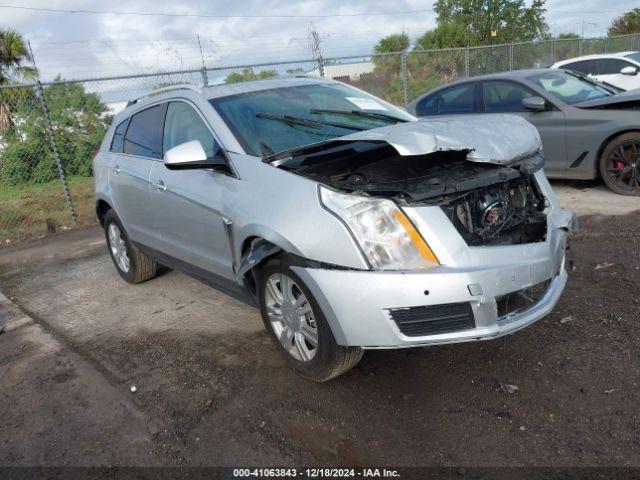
(351, 224)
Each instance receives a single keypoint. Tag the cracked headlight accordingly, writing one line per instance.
(386, 236)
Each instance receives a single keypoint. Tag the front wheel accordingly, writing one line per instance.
(620, 164)
(297, 325)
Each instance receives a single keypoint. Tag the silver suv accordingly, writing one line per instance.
(351, 224)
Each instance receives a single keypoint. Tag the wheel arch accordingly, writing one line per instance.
(102, 207)
(254, 250)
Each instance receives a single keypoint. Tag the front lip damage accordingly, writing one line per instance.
(496, 138)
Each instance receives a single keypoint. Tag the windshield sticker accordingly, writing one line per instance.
(366, 103)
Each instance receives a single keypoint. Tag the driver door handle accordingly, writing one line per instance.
(116, 169)
(160, 186)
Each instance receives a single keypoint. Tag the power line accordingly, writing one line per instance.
(201, 15)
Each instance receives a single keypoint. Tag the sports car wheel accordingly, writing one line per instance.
(620, 164)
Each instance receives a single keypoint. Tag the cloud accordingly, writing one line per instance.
(85, 45)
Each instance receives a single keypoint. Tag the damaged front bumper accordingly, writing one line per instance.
(376, 309)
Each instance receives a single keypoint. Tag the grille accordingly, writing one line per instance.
(433, 319)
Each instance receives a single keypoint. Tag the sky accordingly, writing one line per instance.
(86, 45)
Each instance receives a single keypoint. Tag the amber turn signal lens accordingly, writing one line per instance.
(417, 240)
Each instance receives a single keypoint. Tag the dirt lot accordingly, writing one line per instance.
(212, 390)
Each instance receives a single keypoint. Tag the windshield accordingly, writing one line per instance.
(634, 56)
(569, 87)
(270, 121)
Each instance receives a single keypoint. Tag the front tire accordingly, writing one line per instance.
(297, 325)
(132, 265)
(620, 164)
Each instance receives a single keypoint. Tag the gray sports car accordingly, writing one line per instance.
(587, 128)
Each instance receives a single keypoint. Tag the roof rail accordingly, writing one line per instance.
(157, 91)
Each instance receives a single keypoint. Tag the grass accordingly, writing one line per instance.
(25, 209)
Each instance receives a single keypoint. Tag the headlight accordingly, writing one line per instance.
(385, 234)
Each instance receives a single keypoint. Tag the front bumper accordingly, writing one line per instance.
(357, 304)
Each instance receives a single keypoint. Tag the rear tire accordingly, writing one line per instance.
(297, 325)
(132, 265)
(620, 164)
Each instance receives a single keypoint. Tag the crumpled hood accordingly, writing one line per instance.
(624, 97)
(491, 138)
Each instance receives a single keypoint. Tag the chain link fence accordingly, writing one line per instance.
(49, 132)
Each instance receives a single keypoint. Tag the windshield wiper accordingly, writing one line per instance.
(306, 122)
(360, 113)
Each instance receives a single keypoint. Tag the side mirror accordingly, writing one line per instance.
(536, 104)
(191, 155)
(629, 70)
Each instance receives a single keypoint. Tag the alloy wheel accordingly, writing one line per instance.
(623, 166)
(291, 317)
(118, 248)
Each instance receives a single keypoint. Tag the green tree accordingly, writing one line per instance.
(13, 54)
(568, 36)
(248, 74)
(625, 24)
(445, 35)
(79, 122)
(386, 64)
(512, 20)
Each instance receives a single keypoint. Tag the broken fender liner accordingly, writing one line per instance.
(259, 250)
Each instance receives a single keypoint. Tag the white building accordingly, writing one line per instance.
(344, 71)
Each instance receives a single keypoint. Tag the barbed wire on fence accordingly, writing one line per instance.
(33, 182)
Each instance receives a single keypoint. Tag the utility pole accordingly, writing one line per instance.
(315, 44)
(582, 33)
(205, 80)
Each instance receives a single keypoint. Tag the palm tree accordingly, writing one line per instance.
(13, 53)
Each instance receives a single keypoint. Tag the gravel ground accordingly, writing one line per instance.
(212, 389)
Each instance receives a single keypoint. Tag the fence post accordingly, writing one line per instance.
(580, 47)
(56, 155)
(553, 51)
(511, 57)
(405, 78)
(205, 79)
(466, 62)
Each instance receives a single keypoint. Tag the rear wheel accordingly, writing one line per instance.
(132, 265)
(297, 325)
(620, 164)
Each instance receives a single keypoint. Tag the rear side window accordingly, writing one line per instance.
(427, 106)
(611, 66)
(459, 99)
(588, 67)
(117, 143)
(144, 135)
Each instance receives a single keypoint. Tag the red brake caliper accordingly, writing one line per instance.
(619, 164)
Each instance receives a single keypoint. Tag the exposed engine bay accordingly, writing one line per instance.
(487, 203)
(510, 213)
